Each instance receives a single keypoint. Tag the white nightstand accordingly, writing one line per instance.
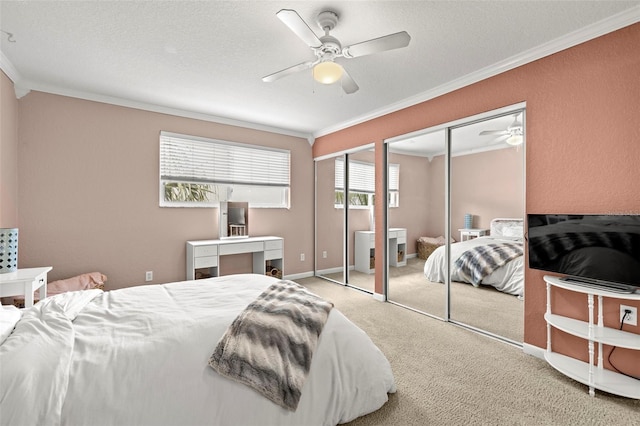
(469, 233)
(24, 282)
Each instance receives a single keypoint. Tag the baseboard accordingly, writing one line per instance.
(299, 276)
(533, 350)
(379, 297)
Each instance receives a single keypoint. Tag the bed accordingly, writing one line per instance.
(141, 356)
(505, 246)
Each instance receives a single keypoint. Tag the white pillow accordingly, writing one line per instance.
(513, 231)
(9, 317)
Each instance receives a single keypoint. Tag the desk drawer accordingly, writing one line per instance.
(205, 251)
(271, 245)
(272, 254)
(236, 248)
(205, 262)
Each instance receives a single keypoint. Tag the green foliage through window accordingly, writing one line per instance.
(355, 199)
(187, 192)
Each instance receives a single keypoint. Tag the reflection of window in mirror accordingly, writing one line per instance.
(234, 219)
(362, 184)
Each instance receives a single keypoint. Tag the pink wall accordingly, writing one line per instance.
(487, 185)
(89, 184)
(8, 154)
(583, 144)
(415, 198)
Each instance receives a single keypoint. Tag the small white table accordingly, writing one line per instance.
(469, 233)
(205, 254)
(365, 246)
(24, 282)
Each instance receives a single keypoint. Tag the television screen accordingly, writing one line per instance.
(602, 248)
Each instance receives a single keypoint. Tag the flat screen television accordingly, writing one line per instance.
(594, 249)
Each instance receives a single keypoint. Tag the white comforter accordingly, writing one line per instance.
(139, 356)
(508, 278)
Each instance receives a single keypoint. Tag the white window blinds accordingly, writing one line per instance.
(201, 160)
(362, 176)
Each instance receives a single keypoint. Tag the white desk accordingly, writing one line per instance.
(24, 282)
(205, 254)
(364, 249)
(470, 233)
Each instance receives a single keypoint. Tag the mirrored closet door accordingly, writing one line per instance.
(345, 189)
(361, 220)
(416, 165)
(487, 212)
(463, 183)
(330, 221)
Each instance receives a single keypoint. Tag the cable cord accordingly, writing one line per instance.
(624, 317)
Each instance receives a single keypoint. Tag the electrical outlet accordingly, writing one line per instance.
(148, 276)
(324, 254)
(301, 257)
(631, 319)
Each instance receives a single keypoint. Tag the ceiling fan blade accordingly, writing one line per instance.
(296, 24)
(348, 84)
(494, 132)
(500, 139)
(287, 71)
(388, 42)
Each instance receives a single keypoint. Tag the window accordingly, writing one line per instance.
(362, 184)
(200, 172)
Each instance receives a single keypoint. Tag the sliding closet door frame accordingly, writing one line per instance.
(506, 111)
(385, 189)
(345, 218)
(345, 266)
(447, 222)
(345, 222)
(448, 127)
(385, 223)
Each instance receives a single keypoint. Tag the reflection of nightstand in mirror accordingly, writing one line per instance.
(470, 233)
(364, 249)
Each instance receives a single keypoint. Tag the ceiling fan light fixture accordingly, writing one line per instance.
(327, 72)
(515, 140)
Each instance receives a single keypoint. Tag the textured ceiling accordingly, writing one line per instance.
(206, 59)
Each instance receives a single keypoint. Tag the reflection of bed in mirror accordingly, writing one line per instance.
(495, 260)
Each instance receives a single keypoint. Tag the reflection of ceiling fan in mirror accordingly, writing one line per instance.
(327, 48)
(512, 135)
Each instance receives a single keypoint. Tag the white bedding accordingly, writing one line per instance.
(508, 278)
(139, 356)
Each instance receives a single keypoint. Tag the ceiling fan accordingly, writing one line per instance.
(512, 135)
(327, 48)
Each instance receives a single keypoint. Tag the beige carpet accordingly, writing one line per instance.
(483, 307)
(447, 375)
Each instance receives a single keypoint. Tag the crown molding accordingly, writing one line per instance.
(22, 87)
(600, 28)
(128, 103)
(8, 68)
(19, 86)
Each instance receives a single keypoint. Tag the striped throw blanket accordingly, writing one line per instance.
(477, 263)
(270, 344)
